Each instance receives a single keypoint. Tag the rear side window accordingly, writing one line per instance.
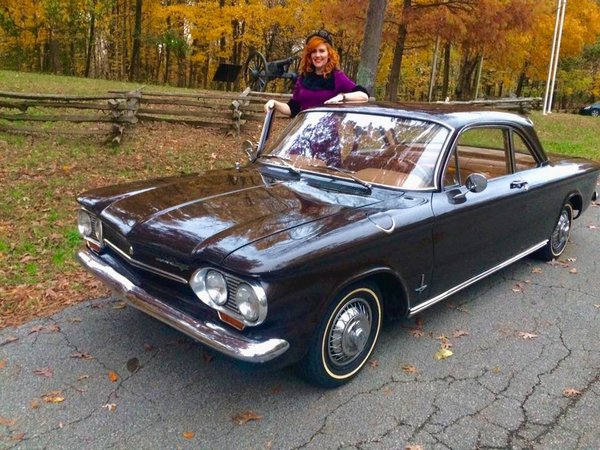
(491, 151)
(524, 159)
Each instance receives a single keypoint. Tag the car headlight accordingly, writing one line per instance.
(97, 230)
(216, 287)
(248, 302)
(84, 223)
(233, 297)
(210, 287)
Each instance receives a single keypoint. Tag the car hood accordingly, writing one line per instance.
(213, 214)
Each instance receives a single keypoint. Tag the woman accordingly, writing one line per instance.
(320, 81)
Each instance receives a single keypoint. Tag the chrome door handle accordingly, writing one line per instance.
(519, 184)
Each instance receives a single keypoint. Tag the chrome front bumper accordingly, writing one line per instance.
(210, 334)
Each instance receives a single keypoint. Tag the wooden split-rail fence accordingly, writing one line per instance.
(110, 114)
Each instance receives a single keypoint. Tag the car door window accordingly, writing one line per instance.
(479, 150)
(524, 159)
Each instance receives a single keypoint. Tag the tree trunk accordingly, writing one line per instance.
(134, 69)
(446, 81)
(394, 76)
(369, 54)
(91, 39)
(54, 56)
(167, 65)
(464, 86)
(522, 80)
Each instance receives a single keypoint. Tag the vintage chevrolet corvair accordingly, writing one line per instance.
(353, 214)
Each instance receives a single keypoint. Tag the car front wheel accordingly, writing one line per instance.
(560, 235)
(345, 337)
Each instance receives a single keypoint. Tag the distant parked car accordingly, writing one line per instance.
(591, 110)
(354, 213)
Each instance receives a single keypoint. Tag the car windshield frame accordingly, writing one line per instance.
(394, 151)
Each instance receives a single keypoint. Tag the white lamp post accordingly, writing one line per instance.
(552, 67)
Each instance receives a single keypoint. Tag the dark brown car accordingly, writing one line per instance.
(353, 214)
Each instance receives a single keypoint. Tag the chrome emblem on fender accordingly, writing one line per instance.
(173, 262)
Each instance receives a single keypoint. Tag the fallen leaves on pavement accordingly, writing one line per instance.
(244, 417)
(189, 435)
(525, 335)
(46, 372)
(444, 341)
(7, 422)
(443, 353)
(408, 368)
(17, 437)
(460, 333)
(571, 392)
(53, 397)
(133, 365)
(518, 287)
(9, 340)
(417, 330)
(45, 329)
(113, 376)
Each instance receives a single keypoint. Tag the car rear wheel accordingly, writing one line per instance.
(345, 338)
(560, 235)
(595, 112)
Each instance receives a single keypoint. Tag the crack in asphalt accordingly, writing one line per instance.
(525, 423)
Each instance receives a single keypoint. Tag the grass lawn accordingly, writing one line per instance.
(42, 175)
(569, 134)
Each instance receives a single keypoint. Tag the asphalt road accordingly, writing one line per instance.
(524, 373)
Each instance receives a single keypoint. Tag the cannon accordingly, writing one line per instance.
(258, 72)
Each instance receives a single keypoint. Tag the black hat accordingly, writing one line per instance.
(324, 34)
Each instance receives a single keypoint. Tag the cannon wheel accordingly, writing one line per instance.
(294, 68)
(255, 72)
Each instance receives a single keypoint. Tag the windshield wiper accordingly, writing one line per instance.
(347, 172)
(285, 161)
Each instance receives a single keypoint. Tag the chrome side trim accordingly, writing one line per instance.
(226, 341)
(147, 267)
(455, 289)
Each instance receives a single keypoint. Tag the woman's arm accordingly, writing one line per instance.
(280, 107)
(349, 97)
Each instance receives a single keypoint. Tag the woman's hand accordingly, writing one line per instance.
(340, 98)
(269, 105)
(280, 107)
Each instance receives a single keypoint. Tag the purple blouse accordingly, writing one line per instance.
(313, 90)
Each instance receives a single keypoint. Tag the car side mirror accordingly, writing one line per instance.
(250, 149)
(476, 182)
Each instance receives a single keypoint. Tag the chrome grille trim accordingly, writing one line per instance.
(143, 266)
(232, 287)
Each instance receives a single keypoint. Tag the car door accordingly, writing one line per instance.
(476, 232)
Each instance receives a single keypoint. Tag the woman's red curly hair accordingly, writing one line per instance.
(306, 64)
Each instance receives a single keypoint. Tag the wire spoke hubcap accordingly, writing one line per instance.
(561, 232)
(350, 332)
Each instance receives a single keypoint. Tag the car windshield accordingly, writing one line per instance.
(385, 150)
